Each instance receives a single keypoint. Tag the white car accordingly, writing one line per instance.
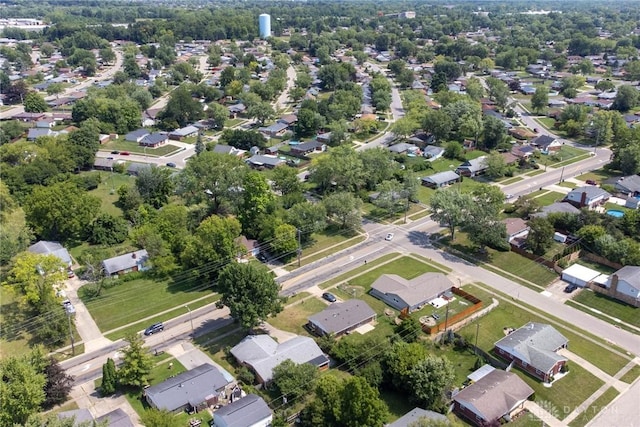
(389, 236)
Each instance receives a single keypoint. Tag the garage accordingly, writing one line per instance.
(579, 275)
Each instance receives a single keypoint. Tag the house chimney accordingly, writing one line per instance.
(614, 283)
(583, 199)
(133, 255)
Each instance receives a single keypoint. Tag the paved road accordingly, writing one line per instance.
(283, 99)
(179, 158)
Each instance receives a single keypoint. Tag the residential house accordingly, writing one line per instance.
(35, 133)
(45, 123)
(415, 415)
(236, 110)
(440, 179)
(264, 161)
(404, 148)
(473, 167)
(277, 129)
(149, 116)
(288, 119)
(116, 418)
(252, 246)
(588, 196)
(227, 149)
(154, 140)
(28, 117)
(517, 231)
(523, 151)
(433, 153)
(182, 133)
(313, 146)
(325, 138)
(579, 275)
(546, 144)
(262, 354)
(625, 283)
(497, 396)
(80, 416)
(629, 185)
(134, 168)
(341, 318)
(44, 247)
(123, 264)
(191, 390)
(249, 411)
(104, 138)
(412, 294)
(136, 135)
(557, 207)
(104, 164)
(533, 347)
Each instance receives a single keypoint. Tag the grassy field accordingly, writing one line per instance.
(507, 315)
(631, 375)
(549, 198)
(625, 312)
(599, 175)
(592, 410)
(121, 304)
(107, 191)
(134, 147)
(510, 262)
(215, 348)
(294, 317)
(568, 184)
(566, 394)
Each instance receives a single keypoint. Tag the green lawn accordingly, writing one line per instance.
(216, 347)
(397, 403)
(507, 315)
(592, 410)
(625, 312)
(550, 198)
(134, 147)
(107, 191)
(567, 393)
(568, 184)
(508, 261)
(131, 301)
(294, 317)
(631, 375)
(599, 175)
(406, 267)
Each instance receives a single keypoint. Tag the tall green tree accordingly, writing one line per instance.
(83, 144)
(540, 100)
(34, 277)
(250, 293)
(137, 363)
(257, 198)
(60, 211)
(35, 103)
(181, 109)
(430, 380)
(540, 236)
(498, 91)
(155, 186)
(109, 378)
(159, 418)
(21, 389)
(451, 208)
(294, 380)
(344, 209)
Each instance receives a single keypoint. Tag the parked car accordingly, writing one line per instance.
(591, 182)
(389, 237)
(115, 152)
(508, 196)
(109, 158)
(436, 316)
(156, 327)
(124, 153)
(171, 165)
(329, 297)
(261, 257)
(570, 288)
(70, 274)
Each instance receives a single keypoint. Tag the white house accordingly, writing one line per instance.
(626, 281)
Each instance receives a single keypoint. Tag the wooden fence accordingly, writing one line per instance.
(451, 320)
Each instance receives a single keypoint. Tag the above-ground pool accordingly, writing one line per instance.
(615, 213)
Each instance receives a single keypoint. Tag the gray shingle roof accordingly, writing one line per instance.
(136, 135)
(441, 177)
(188, 388)
(557, 207)
(629, 184)
(630, 274)
(154, 139)
(116, 418)
(227, 149)
(591, 190)
(309, 145)
(415, 415)
(44, 247)
(126, 261)
(185, 131)
(535, 344)
(263, 353)
(274, 128)
(495, 394)
(542, 141)
(247, 411)
(79, 416)
(474, 165)
(339, 317)
(261, 160)
(416, 291)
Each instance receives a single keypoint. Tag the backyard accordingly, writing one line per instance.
(107, 191)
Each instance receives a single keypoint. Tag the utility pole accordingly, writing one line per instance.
(561, 175)
(477, 331)
(69, 311)
(299, 245)
(446, 318)
(406, 208)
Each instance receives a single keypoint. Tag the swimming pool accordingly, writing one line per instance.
(615, 213)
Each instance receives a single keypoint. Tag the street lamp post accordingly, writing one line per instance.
(69, 310)
(190, 320)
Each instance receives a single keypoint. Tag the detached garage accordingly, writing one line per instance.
(579, 275)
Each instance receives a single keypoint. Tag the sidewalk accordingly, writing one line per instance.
(85, 325)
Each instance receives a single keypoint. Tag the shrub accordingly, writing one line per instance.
(246, 376)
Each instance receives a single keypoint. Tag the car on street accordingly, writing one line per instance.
(115, 152)
(171, 165)
(124, 153)
(570, 288)
(109, 158)
(329, 297)
(156, 327)
(509, 196)
(389, 237)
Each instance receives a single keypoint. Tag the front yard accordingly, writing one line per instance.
(625, 312)
(134, 147)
